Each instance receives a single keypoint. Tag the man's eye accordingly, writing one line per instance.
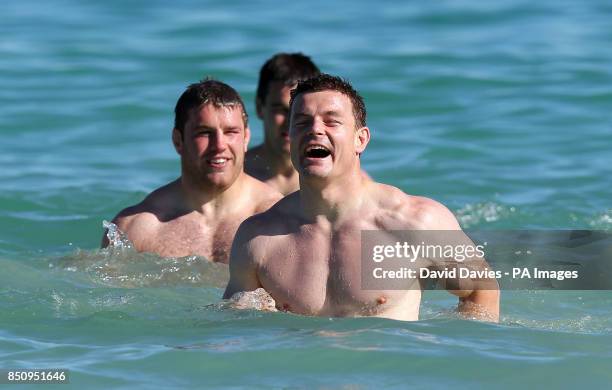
(203, 134)
(333, 122)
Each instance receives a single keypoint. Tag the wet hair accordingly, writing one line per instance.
(326, 82)
(288, 68)
(207, 91)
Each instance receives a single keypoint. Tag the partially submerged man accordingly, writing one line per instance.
(305, 250)
(270, 162)
(199, 213)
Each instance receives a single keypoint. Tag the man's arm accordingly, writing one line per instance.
(242, 266)
(477, 298)
(134, 226)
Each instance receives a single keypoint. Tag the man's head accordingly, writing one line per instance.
(327, 126)
(211, 133)
(276, 79)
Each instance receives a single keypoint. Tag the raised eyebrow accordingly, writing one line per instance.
(231, 128)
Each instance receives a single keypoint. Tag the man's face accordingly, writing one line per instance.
(274, 112)
(213, 144)
(324, 139)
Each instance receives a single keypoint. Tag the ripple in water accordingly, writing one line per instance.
(475, 214)
(120, 265)
(602, 221)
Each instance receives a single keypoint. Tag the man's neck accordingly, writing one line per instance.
(279, 162)
(211, 201)
(332, 198)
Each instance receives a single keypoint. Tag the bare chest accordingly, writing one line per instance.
(319, 273)
(186, 236)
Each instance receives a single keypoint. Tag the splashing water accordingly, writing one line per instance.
(256, 300)
(116, 238)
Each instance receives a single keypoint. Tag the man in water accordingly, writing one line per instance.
(270, 162)
(305, 251)
(198, 213)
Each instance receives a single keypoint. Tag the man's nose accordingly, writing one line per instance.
(317, 128)
(284, 126)
(219, 141)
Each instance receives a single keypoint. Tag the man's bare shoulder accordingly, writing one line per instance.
(144, 217)
(136, 221)
(139, 216)
(274, 221)
(258, 234)
(263, 195)
(404, 211)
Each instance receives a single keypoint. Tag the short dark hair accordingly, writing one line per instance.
(207, 91)
(326, 82)
(288, 68)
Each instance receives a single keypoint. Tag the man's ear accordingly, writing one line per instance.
(247, 138)
(362, 138)
(177, 140)
(259, 108)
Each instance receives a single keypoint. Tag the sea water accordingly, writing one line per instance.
(500, 110)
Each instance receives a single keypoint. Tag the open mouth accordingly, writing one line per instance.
(317, 151)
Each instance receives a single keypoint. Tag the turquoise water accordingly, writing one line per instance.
(501, 110)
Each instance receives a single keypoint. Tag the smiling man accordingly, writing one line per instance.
(305, 251)
(198, 213)
(270, 161)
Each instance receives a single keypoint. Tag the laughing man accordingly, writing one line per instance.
(305, 250)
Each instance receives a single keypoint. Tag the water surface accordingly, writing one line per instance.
(501, 111)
